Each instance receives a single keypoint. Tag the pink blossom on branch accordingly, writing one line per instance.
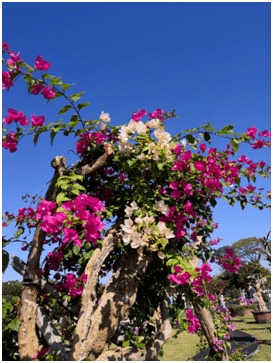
(6, 80)
(37, 120)
(16, 117)
(5, 46)
(252, 132)
(48, 93)
(40, 64)
(36, 89)
(10, 143)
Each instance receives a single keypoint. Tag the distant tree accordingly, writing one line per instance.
(10, 289)
(249, 275)
(266, 242)
(216, 287)
(248, 249)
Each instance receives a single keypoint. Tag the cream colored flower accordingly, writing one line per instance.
(141, 128)
(155, 123)
(132, 126)
(162, 136)
(105, 117)
(127, 226)
(129, 211)
(141, 157)
(161, 255)
(148, 220)
(164, 231)
(159, 205)
(139, 221)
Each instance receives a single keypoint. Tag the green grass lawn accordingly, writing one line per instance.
(185, 346)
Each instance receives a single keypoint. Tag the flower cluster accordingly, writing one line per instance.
(142, 230)
(193, 322)
(198, 281)
(86, 139)
(258, 144)
(230, 262)
(245, 300)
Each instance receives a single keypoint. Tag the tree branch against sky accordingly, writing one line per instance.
(134, 201)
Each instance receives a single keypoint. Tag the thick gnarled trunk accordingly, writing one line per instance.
(257, 285)
(118, 296)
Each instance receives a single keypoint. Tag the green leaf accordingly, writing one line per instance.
(64, 109)
(234, 143)
(14, 324)
(57, 95)
(213, 202)
(82, 105)
(28, 78)
(5, 260)
(126, 343)
(65, 86)
(38, 132)
(20, 231)
(228, 129)
(52, 135)
(56, 81)
(45, 76)
(243, 203)
(190, 139)
(72, 124)
(76, 96)
(61, 197)
(75, 191)
(207, 136)
(76, 250)
(78, 186)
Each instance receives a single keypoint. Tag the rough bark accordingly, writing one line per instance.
(262, 305)
(28, 341)
(51, 335)
(118, 296)
(101, 162)
(134, 354)
(88, 298)
(202, 313)
(21, 267)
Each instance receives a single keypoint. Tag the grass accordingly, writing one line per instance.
(185, 346)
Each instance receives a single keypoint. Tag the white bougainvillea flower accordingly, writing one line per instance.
(161, 255)
(127, 226)
(139, 221)
(141, 157)
(159, 205)
(148, 220)
(154, 123)
(130, 210)
(141, 128)
(164, 231)
(162, 136)
(105, 117)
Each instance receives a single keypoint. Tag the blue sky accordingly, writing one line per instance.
(209, 61)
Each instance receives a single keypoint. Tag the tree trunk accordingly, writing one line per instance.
(28, 341)
(202, 313)
(118, 297)
(262, 305)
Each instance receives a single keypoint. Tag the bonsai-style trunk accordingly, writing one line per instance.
(257, 285)
(202, 313)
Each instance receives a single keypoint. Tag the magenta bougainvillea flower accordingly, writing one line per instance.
(40, 64)
(48, 93)
(6, 80)
(36, 89)
(37, 120)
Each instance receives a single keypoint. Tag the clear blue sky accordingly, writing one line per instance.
(209, 61)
